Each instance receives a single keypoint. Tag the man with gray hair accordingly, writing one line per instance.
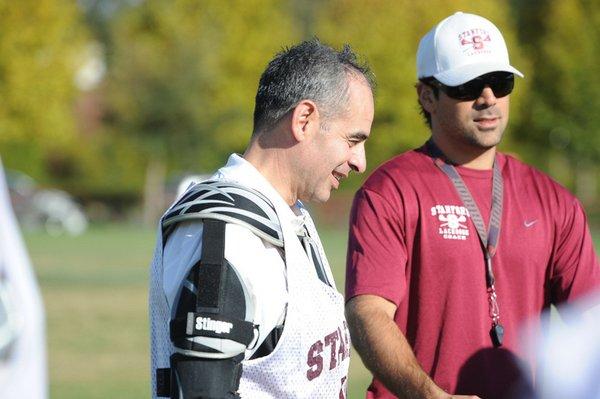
(242, 299)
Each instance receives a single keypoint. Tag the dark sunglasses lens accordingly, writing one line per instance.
(470, 90)
(501, 83)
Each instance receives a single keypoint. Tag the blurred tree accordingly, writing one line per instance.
(388, 34)
(99, 13)
(181, 80)
(184, 75)
(40, 44)
(562, 122)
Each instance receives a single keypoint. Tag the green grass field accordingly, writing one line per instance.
(95, 291)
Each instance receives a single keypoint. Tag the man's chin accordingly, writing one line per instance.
(487, 140)
(321, 198)
(316, 198)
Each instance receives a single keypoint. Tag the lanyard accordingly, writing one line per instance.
(489, 239)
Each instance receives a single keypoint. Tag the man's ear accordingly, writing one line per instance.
(427, 98)
(305, 120)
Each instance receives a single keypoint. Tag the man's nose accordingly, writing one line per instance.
(486, 99)
(358, 161)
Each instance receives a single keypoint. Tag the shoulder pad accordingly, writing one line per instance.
(231, 203)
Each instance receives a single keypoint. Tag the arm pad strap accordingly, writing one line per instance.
(210, 325)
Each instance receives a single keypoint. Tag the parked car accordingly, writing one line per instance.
(53, 210)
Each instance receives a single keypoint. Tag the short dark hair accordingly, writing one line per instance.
(310, 70)
(436, 92)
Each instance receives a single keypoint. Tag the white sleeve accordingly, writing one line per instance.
(258, 263)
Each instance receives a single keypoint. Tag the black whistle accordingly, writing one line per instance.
(497, 334)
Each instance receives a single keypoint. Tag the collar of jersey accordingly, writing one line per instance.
(243, 172)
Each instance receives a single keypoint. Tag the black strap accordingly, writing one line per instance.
(210, 274)
(269, 344)
(211, 325)
(489, 240)
(163, 383)
(312, 252)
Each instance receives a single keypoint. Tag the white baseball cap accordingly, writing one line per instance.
(461, 48)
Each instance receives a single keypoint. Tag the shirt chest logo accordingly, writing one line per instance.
(453, 221)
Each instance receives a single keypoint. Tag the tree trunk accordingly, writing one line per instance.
(154, 192)
(586, 183)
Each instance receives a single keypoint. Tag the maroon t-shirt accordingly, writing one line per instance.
(413, 242)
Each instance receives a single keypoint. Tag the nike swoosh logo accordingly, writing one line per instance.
(531, 223)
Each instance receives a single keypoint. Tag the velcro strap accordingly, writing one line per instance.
(210, 274)
(163, 383)
(212, 325)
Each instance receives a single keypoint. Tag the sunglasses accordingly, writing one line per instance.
(501, 83)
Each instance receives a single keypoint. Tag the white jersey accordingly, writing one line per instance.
(23, 366)
(312, 356)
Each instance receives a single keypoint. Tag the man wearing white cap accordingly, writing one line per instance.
(453, 245)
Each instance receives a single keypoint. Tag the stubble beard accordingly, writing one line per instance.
(483, 140)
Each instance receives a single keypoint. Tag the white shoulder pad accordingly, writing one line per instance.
(231, 203)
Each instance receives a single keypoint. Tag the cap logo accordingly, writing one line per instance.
(473, 41)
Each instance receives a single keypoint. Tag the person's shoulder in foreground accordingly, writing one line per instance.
(242, 298)
(439, 274)
(23, 369)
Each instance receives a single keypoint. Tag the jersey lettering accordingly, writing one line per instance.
(337, 353)
(344, 388)
(342, 350)
(331, 340)
(449, 209)
(314, 360)
(453, 221)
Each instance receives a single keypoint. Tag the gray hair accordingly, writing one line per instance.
(310, 70)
